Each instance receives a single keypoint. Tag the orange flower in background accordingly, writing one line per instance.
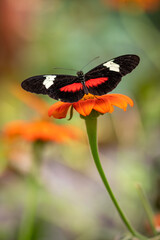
(101, 104)
(41, 130)
(143, 4)
(19, 136)
(157, 222)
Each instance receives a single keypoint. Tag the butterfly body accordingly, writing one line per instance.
(98, 81)
(81, 78)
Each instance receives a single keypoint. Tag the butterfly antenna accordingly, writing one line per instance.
(89, 62)
(65, 69)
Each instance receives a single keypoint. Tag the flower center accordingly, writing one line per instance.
(88, 96)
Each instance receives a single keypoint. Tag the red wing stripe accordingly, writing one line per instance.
(95, 81)
(74, 87)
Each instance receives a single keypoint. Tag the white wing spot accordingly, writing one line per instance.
(112, 66)
(48, 82)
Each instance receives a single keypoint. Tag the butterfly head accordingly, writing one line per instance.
(80, 74)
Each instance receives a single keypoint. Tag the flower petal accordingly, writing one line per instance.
(119, 100)
(103, 105)
(41, 130)
(14, 128)
(59, 110)
(48, 131)
(84, 107)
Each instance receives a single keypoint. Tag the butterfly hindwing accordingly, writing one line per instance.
(102, 85)
(105, 77)
(67, 88)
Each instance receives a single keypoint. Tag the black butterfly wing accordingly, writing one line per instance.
(105, 77)
(66, 88)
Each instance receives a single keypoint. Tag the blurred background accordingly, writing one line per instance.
(49, 186)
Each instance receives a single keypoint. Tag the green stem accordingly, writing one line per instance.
(28, 221)
(91, 126)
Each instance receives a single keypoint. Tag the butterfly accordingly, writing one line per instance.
(98, 81)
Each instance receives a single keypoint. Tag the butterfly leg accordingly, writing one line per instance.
(96, 97)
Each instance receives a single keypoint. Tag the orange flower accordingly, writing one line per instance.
(144, 4)
(157, 222)
(41, 130)
(101, 104)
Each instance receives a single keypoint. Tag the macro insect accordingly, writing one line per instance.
(98, 81)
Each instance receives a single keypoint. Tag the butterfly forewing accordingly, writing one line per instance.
(35, 85)
(66, 88)
(127, 63)
(105, 77)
